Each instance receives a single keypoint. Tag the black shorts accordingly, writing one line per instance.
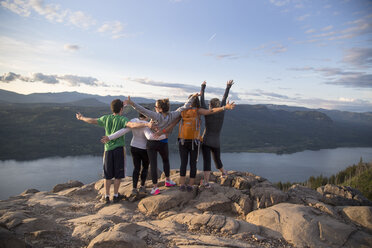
(114, 163)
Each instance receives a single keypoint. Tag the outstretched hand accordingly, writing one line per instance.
(230, 105)
(105, 139)
(230, 83)
(79, 116)
(128, 101)
(204, 83)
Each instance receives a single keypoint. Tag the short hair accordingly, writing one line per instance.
(163, 104)
(215, 103)
(116, 106)
(195, 103)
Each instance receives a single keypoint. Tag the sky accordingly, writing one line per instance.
(310, 53)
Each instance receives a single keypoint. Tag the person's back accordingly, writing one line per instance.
(213, 126)
(113, 123)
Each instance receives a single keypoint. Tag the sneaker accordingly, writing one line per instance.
(182, 187)
(134, 191)
(169, 183)
(107, 200)
(224, 174)
(117, 198)
(189, 188)
(155, 191)
(207, 185)
(142, 190)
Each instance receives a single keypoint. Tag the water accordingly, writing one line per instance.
(43, 174)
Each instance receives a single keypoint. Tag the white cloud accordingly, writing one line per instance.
(327, 28)
(280, 2)
(113, 28)
(212, 37)
(70, 80)
(303, 17)
(309, 31)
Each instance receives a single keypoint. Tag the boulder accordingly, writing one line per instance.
(302, 226)
(343, 196)
(9, 240)
(122, 235)
(167, 200)
(29, 191)
(69, 184)
(361, 215)
(265, 195)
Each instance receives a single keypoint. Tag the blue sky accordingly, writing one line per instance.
(312, 53)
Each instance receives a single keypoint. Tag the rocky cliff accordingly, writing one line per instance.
(241, 210)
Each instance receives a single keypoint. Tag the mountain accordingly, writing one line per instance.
(336, 115)
(62, 97)
(51, 129)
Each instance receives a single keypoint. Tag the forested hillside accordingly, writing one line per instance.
(31, 131)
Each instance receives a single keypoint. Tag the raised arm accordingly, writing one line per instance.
(228, 86)
(188, 103)
(80, 117)
(148, 113)
(202, 100)
(228, 106)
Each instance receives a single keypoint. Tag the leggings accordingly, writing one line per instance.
(153, 147)
(139, 155)
(186, 149)
(216, 153)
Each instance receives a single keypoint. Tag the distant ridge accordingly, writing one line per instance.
(61, 97)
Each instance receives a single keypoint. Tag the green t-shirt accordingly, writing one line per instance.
(113, 123)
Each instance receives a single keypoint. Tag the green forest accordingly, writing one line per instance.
(358, 176)
(32, 131)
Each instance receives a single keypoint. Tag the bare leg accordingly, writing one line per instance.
(192, 181)
(107, 184)
(116, 185)
(206, 176)
(182, 180)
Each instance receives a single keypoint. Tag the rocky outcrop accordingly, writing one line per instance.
(240, 210)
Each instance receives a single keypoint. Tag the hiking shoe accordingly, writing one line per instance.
(142, 190)
(107, 200)
(189, 188)
(169, 183)
(134, 191)
(207, 185)
(224, 174)
(155, 191)
(117, 198)
(182, 187)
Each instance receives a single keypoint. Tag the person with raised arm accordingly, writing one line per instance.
(162, 118)
(211, 136)
(189, 138)
(114, 158)
(138, 150)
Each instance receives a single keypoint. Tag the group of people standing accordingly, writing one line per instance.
(151, 138)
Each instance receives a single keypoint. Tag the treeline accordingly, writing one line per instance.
(357, 176)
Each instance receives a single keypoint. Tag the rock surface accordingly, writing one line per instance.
(240, 210)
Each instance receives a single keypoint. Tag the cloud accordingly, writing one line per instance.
(327, 28)
(113, 28)
(182, 88)
(273, 48)
(223, 56)
(354, 81)
(360, 57)
(280, 3)
(71, 47)
(302, 18)
(55, 13)
(338, 76)
(70, 80)
(309, 31)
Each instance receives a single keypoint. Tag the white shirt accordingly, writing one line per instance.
(140, 135)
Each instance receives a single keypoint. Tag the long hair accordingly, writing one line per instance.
(195, 103)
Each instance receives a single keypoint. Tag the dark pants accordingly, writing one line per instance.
(186, 149)
(113, 163)
(153, 147)
(139, 156)
(216, 153)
